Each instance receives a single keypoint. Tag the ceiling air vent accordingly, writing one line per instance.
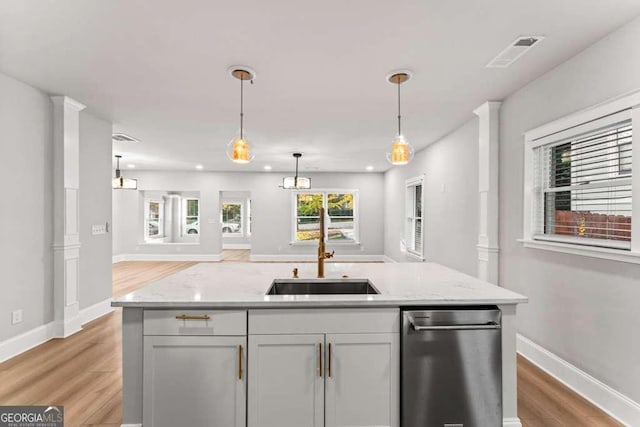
(121, 137)
(514, 51)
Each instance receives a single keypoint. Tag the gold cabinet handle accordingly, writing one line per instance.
(188, 317)
(240, 362)
(329, 364)
(320, 373)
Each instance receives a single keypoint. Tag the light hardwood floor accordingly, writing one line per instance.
(83, 372)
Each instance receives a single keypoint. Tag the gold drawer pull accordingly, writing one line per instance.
(240, 362)
(329, 364)
(187, 317)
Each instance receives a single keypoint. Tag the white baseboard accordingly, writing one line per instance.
(168, 257)
(118, 258)
(511, 422)
(606, 398)
(26, 341)
(33, 338)
(388, 259)
(96, 310)
(313, 258)
(236, 246)
(130, 425)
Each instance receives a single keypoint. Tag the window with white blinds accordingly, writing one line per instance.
(583, 184)
(414, 238)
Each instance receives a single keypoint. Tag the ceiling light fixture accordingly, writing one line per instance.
(369, 168)
(238, 149)
(296, 182)
(199, 167)
(131, 166)
(121, 183)
(401, 151)
(267, 167)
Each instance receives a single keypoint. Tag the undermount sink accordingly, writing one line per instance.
(322, 287)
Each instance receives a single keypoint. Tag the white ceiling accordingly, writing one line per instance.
(158, 69)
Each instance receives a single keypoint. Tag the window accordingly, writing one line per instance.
(190, 216)
(153, 219)
(583, 187)
(413, 206)
(341, 216)
(231, 218)
(579, 185)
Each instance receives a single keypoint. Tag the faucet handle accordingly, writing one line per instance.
(330, 254)
(295, 273)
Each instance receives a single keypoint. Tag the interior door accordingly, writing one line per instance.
(195, 381)
(286, 384)
(362, 380)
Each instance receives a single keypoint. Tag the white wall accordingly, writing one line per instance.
(450, 208)
(26, 224)
(271, 234)
(95, 208)
(585, 310)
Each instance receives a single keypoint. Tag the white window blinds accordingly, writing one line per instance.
(582, 185)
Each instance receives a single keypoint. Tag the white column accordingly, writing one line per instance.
(488, 158)
(66, 230)
(509, 368)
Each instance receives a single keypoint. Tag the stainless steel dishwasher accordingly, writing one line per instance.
(451, 367)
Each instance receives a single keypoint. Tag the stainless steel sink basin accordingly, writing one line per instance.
(322, 287)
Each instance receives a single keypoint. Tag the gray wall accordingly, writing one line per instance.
(583, 309)
(271, 211)
(26, 213)
(95, 209)
(26, 224)
(450, 168)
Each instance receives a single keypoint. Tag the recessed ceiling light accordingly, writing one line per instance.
(131, 166)
(369, 168)
(267, 167)
(199, 167)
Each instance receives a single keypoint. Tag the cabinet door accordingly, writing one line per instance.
(195, 381)
(286, 385)
(362, 380)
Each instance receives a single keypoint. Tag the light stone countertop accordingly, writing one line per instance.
(233, 285)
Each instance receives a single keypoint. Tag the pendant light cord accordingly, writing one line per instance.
(399, 116)
(241, 106)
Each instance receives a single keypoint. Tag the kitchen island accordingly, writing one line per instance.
(213, 308)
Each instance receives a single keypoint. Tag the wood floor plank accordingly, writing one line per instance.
(84, 372)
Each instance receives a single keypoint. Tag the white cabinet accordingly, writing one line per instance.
(286, 385)
(194, 372)
(362, 380)
(324, 367)
(195, 381)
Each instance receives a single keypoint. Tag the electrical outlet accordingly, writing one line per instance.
(16, 317)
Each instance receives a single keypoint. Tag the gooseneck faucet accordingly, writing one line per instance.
(322, 254)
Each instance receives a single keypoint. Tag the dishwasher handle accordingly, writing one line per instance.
(461, 327)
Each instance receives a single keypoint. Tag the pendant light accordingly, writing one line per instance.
(296, 182)
(238, 149)
(121, 183)
(401, 151)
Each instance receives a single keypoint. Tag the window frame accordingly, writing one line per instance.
(325, 192)
(241, 203)
(410, 217)
(147, 210)
(558, 130)
(184, 216)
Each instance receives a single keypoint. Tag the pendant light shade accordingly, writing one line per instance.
(401, 151)
(296, 182)
(119, 182)
(238, 149)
